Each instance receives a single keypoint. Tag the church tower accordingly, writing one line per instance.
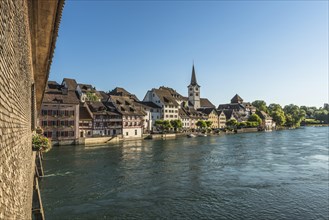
(194, 91)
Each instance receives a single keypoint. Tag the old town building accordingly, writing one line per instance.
(153, 113)
(212, 115)
(241, 110)
(60, 112)
(85, 121)
(221, 119)
(106, 121)
(163, 98)
(267, 122)
(132, 116)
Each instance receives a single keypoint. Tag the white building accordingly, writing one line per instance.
(163, 98)
(153, 113)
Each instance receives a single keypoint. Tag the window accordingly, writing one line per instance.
(44, 112)
(191, 94)
(44, 123)
(191, 89)
(127, 133)
(196, 89)
(196, 94)
(135, 132)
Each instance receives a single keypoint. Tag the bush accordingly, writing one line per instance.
(312, 121)
(252, 124)
(242, 124)
(40, 143)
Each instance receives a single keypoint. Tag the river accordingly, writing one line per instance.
(265, 175)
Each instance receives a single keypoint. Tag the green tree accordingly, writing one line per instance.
(279, 117)
(277, 114)
(294, 115)
(260, 105)
(242, 124)
(208, 123)
(232, 123)
(159, 124)
(163, 125)
(201, 124)
(255, 118)
(274, 107)
(176, 124)
(166, 125)
(91, 96)
(322, 115)
(252, 124)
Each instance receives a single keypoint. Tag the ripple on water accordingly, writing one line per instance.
(277, 175)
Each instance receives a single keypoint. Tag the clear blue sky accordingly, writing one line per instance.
(275, 51)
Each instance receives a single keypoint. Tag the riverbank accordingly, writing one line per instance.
(91, 141)
(119, 138)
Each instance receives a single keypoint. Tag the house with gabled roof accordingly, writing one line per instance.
(221, 119)
(267, 122)
(85, 121)
(60, 112)
(132, 115)
(106, 121)
(184, 117)
(118, 91)
(212, 115)
(164, 99)
(241, 110)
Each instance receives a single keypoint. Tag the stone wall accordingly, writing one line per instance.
(16, 160)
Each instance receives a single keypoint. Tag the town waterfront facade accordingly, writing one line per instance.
(72, 112)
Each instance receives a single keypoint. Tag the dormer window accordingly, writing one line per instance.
(191, 89)
(196, 89)
(191, 94)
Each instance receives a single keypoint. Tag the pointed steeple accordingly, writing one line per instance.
(193, 78)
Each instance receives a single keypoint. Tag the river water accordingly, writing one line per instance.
(272, 175)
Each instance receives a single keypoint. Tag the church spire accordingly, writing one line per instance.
(193, 78)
